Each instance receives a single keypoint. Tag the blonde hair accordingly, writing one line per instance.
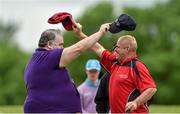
(130, 42)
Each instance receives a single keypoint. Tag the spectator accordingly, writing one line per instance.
(88, 88)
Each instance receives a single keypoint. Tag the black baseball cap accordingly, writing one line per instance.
(123, 22)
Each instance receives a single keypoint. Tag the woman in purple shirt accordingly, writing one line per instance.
(50, 88)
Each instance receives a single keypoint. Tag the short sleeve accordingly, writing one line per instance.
(107, 60)
(145, 80)
(55, 56)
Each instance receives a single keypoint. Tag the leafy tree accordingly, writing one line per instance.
(7, 31)
(12, 63)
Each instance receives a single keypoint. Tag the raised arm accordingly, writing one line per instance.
(97, 48)
(72, 52)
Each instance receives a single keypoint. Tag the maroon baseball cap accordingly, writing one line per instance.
(64, 18)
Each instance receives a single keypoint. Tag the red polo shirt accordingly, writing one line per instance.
(124, 81)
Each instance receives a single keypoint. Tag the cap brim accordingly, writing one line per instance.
(93, 69)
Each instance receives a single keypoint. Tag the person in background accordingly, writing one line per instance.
(88, 88)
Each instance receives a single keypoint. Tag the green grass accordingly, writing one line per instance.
(11, 109)
(164, 109)
(153, 109)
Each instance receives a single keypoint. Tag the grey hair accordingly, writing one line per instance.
(48, 35)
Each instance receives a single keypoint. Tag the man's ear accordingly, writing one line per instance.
(49, 45)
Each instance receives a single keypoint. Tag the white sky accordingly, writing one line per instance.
(32, 15)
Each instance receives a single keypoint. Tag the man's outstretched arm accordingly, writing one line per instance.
(72, 52)
(97, 48)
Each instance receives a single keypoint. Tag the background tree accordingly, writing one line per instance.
(12, 63)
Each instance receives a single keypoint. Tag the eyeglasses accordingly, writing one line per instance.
(57, 44)
(114, 47)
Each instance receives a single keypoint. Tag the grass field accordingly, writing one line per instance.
(11, 109)
(153, 109)
(164, 109)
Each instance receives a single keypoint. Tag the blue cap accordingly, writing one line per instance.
(93, 64)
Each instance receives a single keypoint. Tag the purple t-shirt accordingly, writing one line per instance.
(49, 88)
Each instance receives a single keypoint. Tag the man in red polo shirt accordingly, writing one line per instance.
(125, 82)
(131, 84)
